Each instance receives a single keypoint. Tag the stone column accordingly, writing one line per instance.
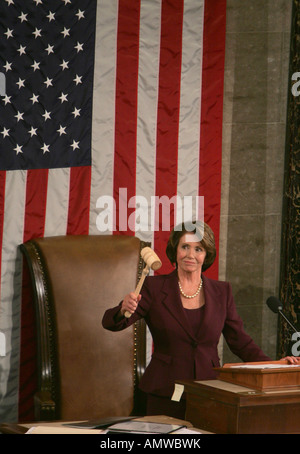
(255, 97)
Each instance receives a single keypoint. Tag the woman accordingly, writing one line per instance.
(186, 313)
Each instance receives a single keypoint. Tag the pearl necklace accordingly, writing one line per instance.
(190, 296)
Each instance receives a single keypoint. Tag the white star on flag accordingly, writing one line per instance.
(21, 50)
(34, 98)
(19, 116)
(5, 132)
(75, 145)
(9, 33)
(63, 97)
(61, 130)
(22, 17)
(18, 149)
(32, 131)
(45, 148)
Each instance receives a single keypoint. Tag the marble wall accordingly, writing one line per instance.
(255, 99)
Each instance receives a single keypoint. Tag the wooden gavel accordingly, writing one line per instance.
(152, 261)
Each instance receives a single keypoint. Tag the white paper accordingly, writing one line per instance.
(144, 427)
(185, 431)
(178, 391)
(60, 430)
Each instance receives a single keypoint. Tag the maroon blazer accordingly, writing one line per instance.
(179, 353)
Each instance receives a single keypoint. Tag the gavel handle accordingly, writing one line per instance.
(139, 286)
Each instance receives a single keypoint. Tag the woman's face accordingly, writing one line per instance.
(190, 253)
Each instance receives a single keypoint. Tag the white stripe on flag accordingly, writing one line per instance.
(190, 101)
(147, 108)
(56, 218)
(103, 129)
(11, 278)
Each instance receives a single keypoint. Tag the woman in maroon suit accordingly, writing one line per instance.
(186, 313)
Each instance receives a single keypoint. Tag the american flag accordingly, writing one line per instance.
(102, 98)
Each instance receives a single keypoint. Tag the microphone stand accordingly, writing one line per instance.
(287, 320)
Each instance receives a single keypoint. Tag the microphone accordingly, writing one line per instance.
(275, 305)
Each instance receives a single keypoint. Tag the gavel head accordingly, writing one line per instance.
(150, 258)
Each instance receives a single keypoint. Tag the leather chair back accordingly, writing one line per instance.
(84, 371)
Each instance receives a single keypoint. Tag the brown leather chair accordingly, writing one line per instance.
(84, 371)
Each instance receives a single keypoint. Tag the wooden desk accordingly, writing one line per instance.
(226, 408)
(20, 428)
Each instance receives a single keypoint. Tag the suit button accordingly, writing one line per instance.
(194, 344)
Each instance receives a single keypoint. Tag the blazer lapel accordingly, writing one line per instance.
(212, 304)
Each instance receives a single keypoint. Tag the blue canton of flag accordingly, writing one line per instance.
(46, 65)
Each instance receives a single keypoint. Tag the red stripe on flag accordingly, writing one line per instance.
(35, 205)
(168, 117)
(212, 116)
(126, 108)
(79, 201)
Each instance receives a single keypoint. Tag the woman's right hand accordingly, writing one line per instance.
(130, 303)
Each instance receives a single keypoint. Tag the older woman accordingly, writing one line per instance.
(186, 313)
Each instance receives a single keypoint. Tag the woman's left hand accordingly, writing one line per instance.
(292, 359)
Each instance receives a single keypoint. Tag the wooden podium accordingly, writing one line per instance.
(248, 398)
